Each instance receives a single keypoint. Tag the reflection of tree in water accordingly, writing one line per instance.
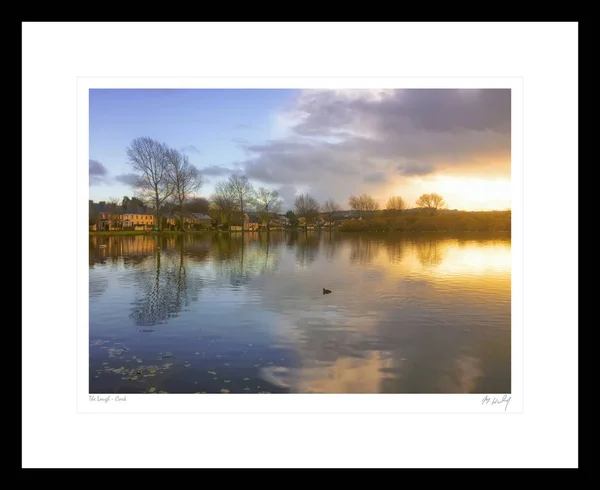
(197, 247)
(330, 245)
(395, 250)
(239, 257)
(363, 250)
(429, 252)
(165, 287)
(307, 247)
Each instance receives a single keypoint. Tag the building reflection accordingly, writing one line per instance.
(109, 249)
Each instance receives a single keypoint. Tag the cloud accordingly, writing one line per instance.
(288, 194)
(343, 142)
(375, 178)
(215, 170)
(190, 149)
(127, 179)
(98, 172)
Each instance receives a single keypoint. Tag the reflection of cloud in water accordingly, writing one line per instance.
(98, 286)
(406, 315)
(464, 375)
(415, 316)
(345, 375)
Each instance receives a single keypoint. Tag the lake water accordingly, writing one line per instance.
(246, 313)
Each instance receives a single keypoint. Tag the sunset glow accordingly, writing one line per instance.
(469, 193)
(332, 144)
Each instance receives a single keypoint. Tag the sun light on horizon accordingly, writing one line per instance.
(463, 193)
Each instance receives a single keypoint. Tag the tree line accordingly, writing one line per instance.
(164, 179)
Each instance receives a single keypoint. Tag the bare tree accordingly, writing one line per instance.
(307, 207)
(198, 205)
(241, 189)
(149, 160)
(396, 203)
(267, 202)
(185, 180)
(223, 202)
(113, 203)
(329, 209)
(113, 207)
(363, 203)
(432, 202)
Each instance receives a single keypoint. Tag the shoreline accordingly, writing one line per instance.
(296, 230)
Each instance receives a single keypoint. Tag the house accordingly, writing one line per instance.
(108, 221)
(279, 222)
(190, 222)
(138, 221)
(197, 221)
(239, 222)
(254, 223)
(203, 220)
(169, 222)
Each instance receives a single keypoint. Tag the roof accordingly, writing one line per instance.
(201, 216)
(140, 212)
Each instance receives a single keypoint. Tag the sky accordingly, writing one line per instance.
(329, 143)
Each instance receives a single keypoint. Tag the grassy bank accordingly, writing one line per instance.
(424, 222)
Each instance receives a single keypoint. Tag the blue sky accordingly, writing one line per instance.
(329, 143)
(207, 125)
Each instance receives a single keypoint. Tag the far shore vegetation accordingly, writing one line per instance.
(166, 200)
(378, 221)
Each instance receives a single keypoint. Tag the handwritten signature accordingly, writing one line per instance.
(108, 398)
(496, 401)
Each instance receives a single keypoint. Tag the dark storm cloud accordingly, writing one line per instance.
(340, 142)
(97, 172)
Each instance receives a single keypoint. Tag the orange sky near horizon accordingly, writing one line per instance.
(459, 192)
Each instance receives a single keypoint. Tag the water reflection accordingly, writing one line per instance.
(163, 287)
(306, 245)
(429, 253)
(241, 257)
(408, 314)
(363, 250)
